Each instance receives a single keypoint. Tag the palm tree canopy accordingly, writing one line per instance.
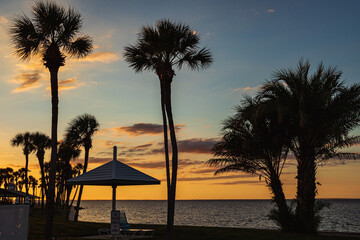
(67, 151)
(321, 110)
(23, 140)
(40, 141)
(50, 25)
(81, 129)
(252, 142)
(167, 44)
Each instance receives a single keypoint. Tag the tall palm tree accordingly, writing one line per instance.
(51, 32)
(321, 112)
(41, 142)
(79, 133)
(255, 143)
(24, 140)
(162, 48)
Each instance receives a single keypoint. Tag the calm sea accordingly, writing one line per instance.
(343, 215)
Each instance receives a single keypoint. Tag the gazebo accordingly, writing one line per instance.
(113, 173)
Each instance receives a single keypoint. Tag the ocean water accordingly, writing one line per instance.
(343, 215)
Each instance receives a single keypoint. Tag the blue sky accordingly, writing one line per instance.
(249, 41)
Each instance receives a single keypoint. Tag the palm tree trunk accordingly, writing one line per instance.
(166, 146)
(43, 185)
(26, 173)
(306, 191)
(52, 173)
(174, 167)
(285, 219)
(81, 187)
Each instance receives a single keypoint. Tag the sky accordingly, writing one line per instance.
(249, 40)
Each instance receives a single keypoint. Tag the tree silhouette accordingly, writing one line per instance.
(161, 49)
(41, 142)
(50, 32)
(24, 141)
(321, 112)
(79, 133)
(255, 143)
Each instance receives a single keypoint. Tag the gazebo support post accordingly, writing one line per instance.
(114, 198)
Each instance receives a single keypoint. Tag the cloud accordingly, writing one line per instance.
(27, 81)
(240, 182)
(3, 20)
(214, 177)
(68, 84)
(109, 143)
(197, 145)
(270, 10)
(104, 57)
(144, 129)
(248, 89)
(193, 145)
(161, 164)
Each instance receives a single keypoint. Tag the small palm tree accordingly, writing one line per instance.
(33, 183)
(162, 48)
(79, 133)
(255, 143)
(67, 152)
(41, 142)
(321, 112)
(50, 32)
(6, 175)
(24, 140)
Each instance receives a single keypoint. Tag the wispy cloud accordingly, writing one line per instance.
(197, 145)
(248, 89)
(144, 129)
(3, 20)
(105, 57)
(270, 10)
(27, 81)
(193, 145)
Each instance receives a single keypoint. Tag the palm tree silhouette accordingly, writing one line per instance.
(6, 174)
(24, 140)
(51, 31)
(255, 143)
(161, 49)
(33, 183)
(79, 133)
(67, 152)
(41, 142)
(322, 112)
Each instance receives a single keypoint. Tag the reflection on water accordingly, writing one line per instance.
(343, 215)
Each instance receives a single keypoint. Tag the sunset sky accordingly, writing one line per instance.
(249, 40)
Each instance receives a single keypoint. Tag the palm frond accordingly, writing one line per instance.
(80, 47)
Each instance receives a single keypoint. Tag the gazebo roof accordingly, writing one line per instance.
(113, 173)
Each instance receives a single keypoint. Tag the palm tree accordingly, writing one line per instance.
(161, 49)
(41, 141)
(253, 142)
(79, 133)
(321, 112)
(33, 183)
(6, 174)
(66, 153)
(24, 141)
(51, 32)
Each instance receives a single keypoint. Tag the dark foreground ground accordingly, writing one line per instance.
(65, 230)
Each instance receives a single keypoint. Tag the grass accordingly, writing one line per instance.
(65, 230)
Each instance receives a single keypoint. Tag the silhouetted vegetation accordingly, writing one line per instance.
(315, 112)
(51, 32)
(161, 49)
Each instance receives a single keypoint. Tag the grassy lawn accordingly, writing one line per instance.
(65, 230)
